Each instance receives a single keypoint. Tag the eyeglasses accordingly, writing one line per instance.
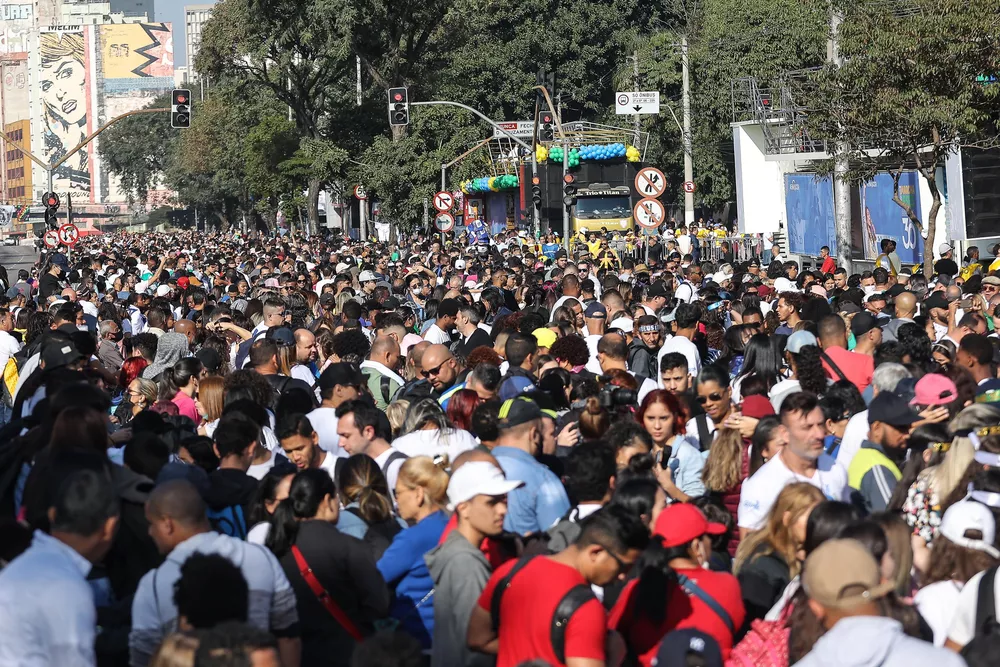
(622, 565)
(714, 396)
(436, 369)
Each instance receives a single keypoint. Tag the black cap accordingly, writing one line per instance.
(517, 411)
(392, 303)
(209, 358)
(863, 323)
(343, 374)
(848, 307)
(889, 408)
(283, 336)
(656, 289)
(59, 352)
(936, 300)
(676, 646)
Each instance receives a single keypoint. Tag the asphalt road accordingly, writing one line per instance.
(14, 258)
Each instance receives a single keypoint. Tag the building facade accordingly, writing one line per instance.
(195, 17)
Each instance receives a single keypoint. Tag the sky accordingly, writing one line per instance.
(172, 11)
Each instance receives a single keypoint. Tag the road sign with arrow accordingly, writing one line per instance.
(629, 104)
(443, 201)
(444, 222)
(650, 182)
(649, 213)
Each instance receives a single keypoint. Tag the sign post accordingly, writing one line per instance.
(630, 104)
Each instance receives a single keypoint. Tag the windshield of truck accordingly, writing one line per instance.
(603, 208)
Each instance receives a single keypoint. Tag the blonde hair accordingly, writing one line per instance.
(945, 476)
(422, 472)
(724, 466)
(396, 413)
(177, 650)
(897, 535)
(776, 536)
(148, 390)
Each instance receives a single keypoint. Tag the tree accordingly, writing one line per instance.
(910, 91)
(136, 150)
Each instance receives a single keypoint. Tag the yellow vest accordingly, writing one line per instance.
(865, 460)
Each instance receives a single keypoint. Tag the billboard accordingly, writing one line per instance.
(809, 212)
(884, 219)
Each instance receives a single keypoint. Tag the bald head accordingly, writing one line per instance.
(416, 353)
(304, 338)
(434, 356)
(472, 455)
(178, 500)
(906, 305)
(186, 327)
(385, 351)
(69, 294)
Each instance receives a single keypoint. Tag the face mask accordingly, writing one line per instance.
(82, 327)
(869, 290)
(118, 336)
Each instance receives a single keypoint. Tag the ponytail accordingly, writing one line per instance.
(307, 491)
(284, 529)
(168, 384)
(656, 578)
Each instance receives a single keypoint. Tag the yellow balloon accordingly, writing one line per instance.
(541, 153)
(492, 183)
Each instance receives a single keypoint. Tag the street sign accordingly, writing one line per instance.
(628, 104)
(443, 201)
(690, 187)
(6, 216)
(69, 234)
(521, 129)
(360, 192)
(649, 213)
(51, 238)
(650, 182)
(444, 222)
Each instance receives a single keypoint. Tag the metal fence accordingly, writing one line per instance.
(743, 247)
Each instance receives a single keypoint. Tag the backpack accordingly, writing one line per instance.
(228, 521)
(379, 536)
(393, 457)
(11, 375)
(986, 603)
(577, 596)
(765, 645)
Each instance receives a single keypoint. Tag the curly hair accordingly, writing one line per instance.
(482, 355)
(809, 370)
(351, 345)
(572, 349)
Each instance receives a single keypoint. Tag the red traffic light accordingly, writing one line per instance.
(181, 99)
(52, 199)
(397, 97)
(546, 118)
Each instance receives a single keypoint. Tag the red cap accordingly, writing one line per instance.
(680, 523)
(757, 406)
(183, 282)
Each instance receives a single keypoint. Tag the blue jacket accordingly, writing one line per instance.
(403, 568)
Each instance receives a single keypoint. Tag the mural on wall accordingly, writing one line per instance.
(809, 211)
(884, 219)
(63, 84)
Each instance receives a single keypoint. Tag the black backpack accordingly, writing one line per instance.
(379, 536)
(577, 596)
(986, 603)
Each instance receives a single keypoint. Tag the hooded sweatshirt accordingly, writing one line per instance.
(875, 641)
(460, 573)
(171, 348)
(154, 615)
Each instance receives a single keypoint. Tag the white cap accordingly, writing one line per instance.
(341, 268)
(969, 515)
(460, 264)
(367, 276)
(720, 277)
(943, 248)
(163, 290)
(478, 478)
(783, 284)
(622, 324)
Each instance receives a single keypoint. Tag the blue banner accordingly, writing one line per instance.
(809, 211)
(884, 219)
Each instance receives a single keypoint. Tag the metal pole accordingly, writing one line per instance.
(635, 88)
(358, 91)
(477, 113)
(426, 214)
(841, 165)
(444, 171)
(534, 209)
(688, 163)
(566, 217)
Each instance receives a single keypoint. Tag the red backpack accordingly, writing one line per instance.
(765, 645)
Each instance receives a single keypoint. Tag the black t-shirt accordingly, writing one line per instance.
(946, 267)
(478, 338)
(656, 252)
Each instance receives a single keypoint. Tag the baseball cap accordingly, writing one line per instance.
(863, 323)
(13, 292)
(655, 290)
(283, 336)
(848, 307)
(936, 300)
(366, 277)
(783, 284)
(843, 574)
(460, 264)
(721, 276)
(545, 337)
(391, 303)
(60, 259)
(677, 646)
(934, 389)
(163, 290)
(622, 324)
(341, 268)
(943, 248)
(680, 523)
(967, 515)
(56, 353)
(818, 290)
(877, 296)
(343, 374)
(889, 408)
(799, 340)
(409, 340)
(183, 282)
(478, 478)
(517, 411)
(595, 309)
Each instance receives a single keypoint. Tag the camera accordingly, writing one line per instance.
(614, 398)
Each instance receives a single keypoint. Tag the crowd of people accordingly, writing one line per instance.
(227, 450)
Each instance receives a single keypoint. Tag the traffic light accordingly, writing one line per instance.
(569, 190)
(548, 81)
(180, 108)
(399, 106)
(536, 192)
(545, 132)
(51, 202)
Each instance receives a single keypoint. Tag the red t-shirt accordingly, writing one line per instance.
(683, 611)
(829, 266)
(857, 367)
(527, 610)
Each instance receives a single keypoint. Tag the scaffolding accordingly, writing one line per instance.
(775, 110)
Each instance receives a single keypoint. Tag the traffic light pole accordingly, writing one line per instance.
(534, 160)
(567, 235)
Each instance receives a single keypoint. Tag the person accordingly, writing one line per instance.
(673, 589)
(363, 430)
(766, 560)
(612, 355)
(421, 493)
(300, 443)
(364, 495)
(273, 488)
(542, 499)
(380, 371)
(686, 318)
(179, 385)
(236, 644)
(338, 383)
(801, 459)
(522, 603)
(179, 526)
(828, 265)
(661, 415)
(426, 432)
(477, 495)
(472, 335)
(231, 489)
(49, 613)
(439, 332)
(107, 349)
(210, 590)
(520, 351)
(844, 587)
(838, 362)
(946, 266)
(440, 368)
(874, 470)
(338, 591)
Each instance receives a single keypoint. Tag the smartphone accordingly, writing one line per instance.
(665, 456)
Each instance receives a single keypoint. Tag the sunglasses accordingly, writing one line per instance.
(622, 565)
(714, 396)
(435, 370)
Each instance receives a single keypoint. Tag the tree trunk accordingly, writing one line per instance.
(312, 203)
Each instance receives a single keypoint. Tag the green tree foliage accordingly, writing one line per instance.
(908, 92)
(136, 150)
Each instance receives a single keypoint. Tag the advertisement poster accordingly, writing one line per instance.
(884, 219)
(809, 211)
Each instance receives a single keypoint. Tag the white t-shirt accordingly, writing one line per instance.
(300, 372)
(324, 421)
(8, 348)
(258, 534)
(963, 618)
(432, 442)
(258, 470)
(937, 603)
(436, 335)
(593, 365)
(761, 490)
(329, 464)
(392, 471)
(685, 347)
(854, 435)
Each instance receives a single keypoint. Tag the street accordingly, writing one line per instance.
(14, 258)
